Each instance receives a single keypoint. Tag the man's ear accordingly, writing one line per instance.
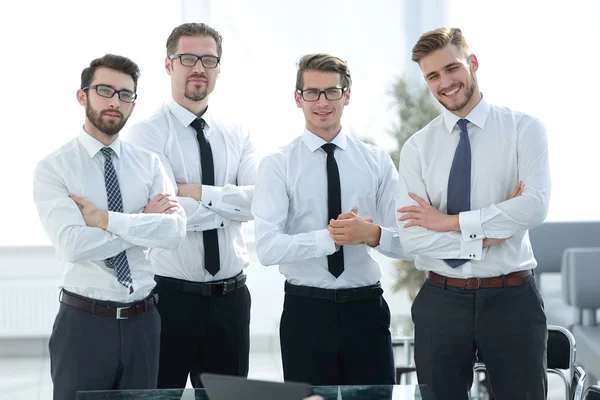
(347, 97)
(168, 66)
(82, 98)
(473, 62)
(297, 98)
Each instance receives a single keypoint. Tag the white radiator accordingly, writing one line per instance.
(27, 308)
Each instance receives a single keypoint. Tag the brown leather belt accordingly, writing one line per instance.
(108, 309)
(512, 279)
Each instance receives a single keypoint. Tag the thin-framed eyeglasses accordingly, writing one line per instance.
(189, 60)
(331, 94)
(126, 96)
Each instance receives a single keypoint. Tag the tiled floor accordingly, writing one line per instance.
(29, 378)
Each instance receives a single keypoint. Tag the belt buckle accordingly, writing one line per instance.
(224, 287)
(119, 309)
(339, 296)
(467, 283)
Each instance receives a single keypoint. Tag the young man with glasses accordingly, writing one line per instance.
(103, 203)
(205, 304)
(322, 204)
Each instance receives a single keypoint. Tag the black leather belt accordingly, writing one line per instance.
(335, 295)
(107, 308)
(215, 288)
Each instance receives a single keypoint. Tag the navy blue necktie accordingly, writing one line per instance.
(335, 261)
(115, 203)
(459, 181)
(212, 261)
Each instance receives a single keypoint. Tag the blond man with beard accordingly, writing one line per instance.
(103, 203)
(467, 227)
(205, 304)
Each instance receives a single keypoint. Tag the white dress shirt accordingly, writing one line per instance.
(78, 168)
(291, 213)
(506, 146)
(225, 206)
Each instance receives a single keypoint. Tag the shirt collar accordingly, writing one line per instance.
(186, 117)
(313, 142)
(477, 116)
(93, 145)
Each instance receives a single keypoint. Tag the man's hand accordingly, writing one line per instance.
(487, 242)
(428, 217)
(162, 203)
(349, 228)
(517, 191)
(92, 215)
(193, 190)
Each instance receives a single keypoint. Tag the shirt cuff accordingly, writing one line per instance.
(211, 196)
(388, 241)
(324, 243)
(472, 250)
(117, 223)
(221, 222)
(470, 225)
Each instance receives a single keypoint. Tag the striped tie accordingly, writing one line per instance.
(115, 203)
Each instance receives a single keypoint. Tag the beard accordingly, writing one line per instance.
(469, 91)
(109, 128)
(198, 94)
(195, 92)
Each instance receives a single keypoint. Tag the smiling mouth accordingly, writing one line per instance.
(452, 92)
(323, 113)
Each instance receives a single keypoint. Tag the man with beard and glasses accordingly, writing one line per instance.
(205, 304)
(323, 204)
(103, 203)
(470, 232)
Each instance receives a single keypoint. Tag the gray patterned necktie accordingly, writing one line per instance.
(115, 203)
(459, 181)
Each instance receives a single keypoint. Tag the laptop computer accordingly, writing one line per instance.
(225, 387)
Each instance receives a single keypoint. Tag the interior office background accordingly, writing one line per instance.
(536, 56)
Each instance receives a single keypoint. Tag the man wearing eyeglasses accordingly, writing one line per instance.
(322, 204)
(205, 304)
(103, 203)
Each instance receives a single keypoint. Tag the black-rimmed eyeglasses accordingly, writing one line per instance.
(314, 94)
(189, 60)
(126, 96)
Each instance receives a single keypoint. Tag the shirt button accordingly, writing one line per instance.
(210, 203)
(222, 224)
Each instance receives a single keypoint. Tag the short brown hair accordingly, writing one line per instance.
(112, 61)
(193, 29)
(438, 39)
(325, 63)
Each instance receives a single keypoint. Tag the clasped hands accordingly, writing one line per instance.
(162, 203)
(349, 228)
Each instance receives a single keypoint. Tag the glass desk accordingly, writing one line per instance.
(391, 392)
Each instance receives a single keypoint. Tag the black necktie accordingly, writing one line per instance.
(459, 181)
(335, 261)
(212, 261)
